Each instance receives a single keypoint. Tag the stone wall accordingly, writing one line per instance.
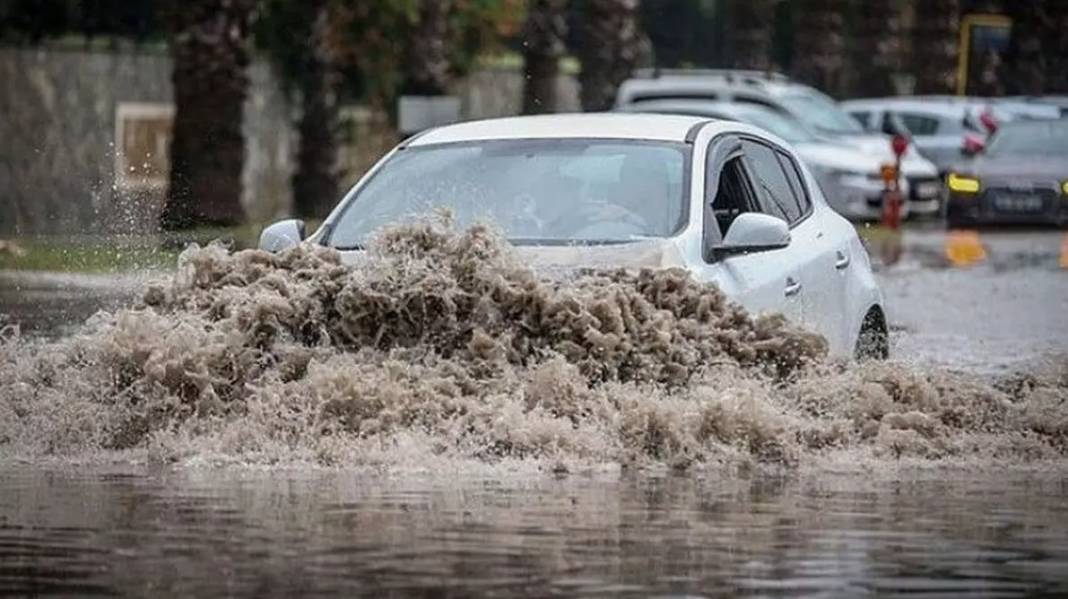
(58, 141)
(58, 136)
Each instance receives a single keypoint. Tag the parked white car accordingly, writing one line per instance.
(814, 109)
(729, 202)
(938, 125)
(849, 173)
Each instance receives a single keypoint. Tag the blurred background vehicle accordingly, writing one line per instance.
(849, 173)
(1021, 177)
(941, 127)
(805, 103)
(1059, 102)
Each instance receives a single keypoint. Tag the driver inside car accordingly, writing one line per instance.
(635, 205)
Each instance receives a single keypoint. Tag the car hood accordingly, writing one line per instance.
(1018, 167)
(912, 163)
(646, 253)
(846, 156)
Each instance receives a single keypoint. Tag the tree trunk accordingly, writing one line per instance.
(428, 58)
(935, 46)
(543, 46)
(750, 28)
(211, 54)
(819, 44)
(315, 182)
(876, 51)
(611, 46)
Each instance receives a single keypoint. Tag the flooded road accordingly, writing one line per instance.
(257, 534)
(921, 510)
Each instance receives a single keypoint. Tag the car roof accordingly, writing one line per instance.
(705, 107)
(929, 106)
(705, 83)
(672, 87)
(653, 127)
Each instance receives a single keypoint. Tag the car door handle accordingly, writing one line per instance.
(842, 261)
(793, 287)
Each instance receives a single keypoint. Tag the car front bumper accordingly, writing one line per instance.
(995, 204)
(859, 198)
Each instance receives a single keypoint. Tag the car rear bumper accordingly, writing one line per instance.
(1008, 206)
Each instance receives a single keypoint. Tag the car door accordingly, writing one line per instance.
(829, 259)
(816, 305)
(763, 282)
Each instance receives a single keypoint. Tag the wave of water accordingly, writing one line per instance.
(440, 346)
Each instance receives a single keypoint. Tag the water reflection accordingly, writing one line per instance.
(280, 534)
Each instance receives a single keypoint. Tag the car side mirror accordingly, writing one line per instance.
(282, 235)
(753, 232)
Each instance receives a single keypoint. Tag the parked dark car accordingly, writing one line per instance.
(1020, 178)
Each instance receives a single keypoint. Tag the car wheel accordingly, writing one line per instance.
(873, 343)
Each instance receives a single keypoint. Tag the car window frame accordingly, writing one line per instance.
(720, 150)
(904, 113)
(800, 174)
(352, 195)
(760, 187)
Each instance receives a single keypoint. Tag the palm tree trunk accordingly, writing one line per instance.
(543, 46)
(210, 48)
(612, 45)
(750, 25)
(428, 58)
(315, 182)
(876, 50)
(935, 46)
(819, 44)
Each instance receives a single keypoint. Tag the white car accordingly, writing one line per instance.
(817, 111)
(725, 200)
(849, 173)
(938, 125)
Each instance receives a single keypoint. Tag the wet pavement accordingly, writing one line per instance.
(139, 529)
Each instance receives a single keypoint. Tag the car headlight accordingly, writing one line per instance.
(1064, 187)
(962, 183)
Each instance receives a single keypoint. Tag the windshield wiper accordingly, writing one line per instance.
(349, 248)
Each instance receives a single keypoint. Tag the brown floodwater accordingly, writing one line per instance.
(249, 533)
(439, 421)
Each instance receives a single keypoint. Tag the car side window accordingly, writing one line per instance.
(862, 117)
(774, 193)
(734, 195)
(793, 175)
(918, 124)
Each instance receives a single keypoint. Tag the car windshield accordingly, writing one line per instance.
(534, 191)
(1030, 139)
(779, 124)
(821, 113)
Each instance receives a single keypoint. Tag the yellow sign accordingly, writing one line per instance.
(979, 35)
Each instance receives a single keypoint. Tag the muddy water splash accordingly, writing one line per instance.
(439, 345)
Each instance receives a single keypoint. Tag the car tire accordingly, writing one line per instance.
(873, 342)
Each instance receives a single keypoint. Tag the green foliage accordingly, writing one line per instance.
(370, 39)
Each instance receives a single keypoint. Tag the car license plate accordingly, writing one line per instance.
(1016, 203)
(928, 189)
